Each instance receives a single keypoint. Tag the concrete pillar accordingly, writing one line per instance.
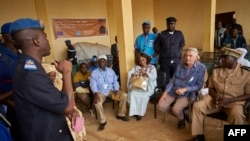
(124, 29)
(40, 6)
(209, 25)
(111, 20)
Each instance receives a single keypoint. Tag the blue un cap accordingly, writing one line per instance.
(94, 59)
(146, 23)
(25, 23)
(5, 28)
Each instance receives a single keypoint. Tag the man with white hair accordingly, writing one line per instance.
(188, 78)
(103, 83)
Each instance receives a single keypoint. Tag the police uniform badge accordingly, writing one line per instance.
(30, 65)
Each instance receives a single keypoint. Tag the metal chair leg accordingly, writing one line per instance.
(190, 115)
(155, 107)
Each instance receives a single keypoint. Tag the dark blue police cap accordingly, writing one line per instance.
(5, 28)
(25, 23)
(171, 20)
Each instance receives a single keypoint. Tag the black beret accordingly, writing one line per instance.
(171, 20)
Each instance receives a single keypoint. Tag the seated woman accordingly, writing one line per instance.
(54, 75)
(138, 99)
(81, 84)
(79, 132)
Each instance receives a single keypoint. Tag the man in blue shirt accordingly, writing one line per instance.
(104, 83)
(93, 63)
(188, 78)
(8, 60)
(235, 40)
(145, 43)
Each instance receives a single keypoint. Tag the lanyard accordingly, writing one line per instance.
(145, 42)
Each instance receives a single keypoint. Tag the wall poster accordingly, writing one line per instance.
(66, 28)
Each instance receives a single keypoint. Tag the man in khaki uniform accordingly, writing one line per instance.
(227, 92)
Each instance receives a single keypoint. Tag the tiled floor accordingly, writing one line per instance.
(148, 129)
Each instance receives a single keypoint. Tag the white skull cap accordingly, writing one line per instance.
(102, 57)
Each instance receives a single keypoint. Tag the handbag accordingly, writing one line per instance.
(83, 84)
(139, 83)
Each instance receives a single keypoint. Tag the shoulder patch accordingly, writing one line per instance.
(30, 65)
(245, 68)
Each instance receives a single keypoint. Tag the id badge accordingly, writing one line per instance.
(105, 86)
(191, 79)
(151, 43)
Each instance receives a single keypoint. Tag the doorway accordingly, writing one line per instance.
(225, 18)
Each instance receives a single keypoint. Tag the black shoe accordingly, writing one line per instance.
(122, 118)
(181, 124)
(198, 138)
(102, 126)
(138, 118)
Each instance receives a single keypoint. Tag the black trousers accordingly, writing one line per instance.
(169, 67)
(15, 128)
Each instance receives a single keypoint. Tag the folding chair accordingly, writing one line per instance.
(161, 83)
